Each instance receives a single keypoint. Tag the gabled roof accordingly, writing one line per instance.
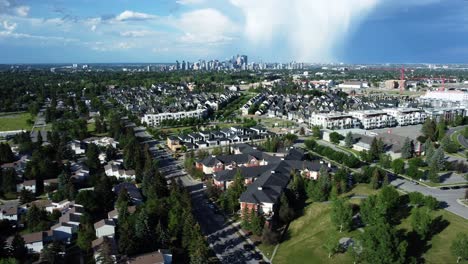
(104, 222)
(149, 258)
(228, 159)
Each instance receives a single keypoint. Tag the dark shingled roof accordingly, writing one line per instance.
(228, 159)
(269, 186)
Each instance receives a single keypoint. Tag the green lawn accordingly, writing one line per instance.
(439, 246)
(307, 234)
(267, 250)
(91, 127)
(10, 122)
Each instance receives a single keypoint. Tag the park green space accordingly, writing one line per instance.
(306, 235)
(14, 121)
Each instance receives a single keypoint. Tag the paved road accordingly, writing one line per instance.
(462, 140)
(222, 236)
(39, 123)
(447, 197)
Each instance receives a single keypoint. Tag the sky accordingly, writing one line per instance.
(313, 31)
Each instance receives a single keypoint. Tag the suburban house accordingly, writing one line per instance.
(112, 169)
(9, 213)
(61, 206)
(213, 164)
(132, 190)
(105, 227)
(98, 244)
(157, 257)
(27, 185)
(63, 231)
(173, 143)
(114, 214)
(34, 242)
(77, 147)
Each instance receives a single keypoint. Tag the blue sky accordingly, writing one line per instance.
(353, 31)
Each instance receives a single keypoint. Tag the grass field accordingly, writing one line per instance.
(308, 233)
(439, 251)
(10, 122)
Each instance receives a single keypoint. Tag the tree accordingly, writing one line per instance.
(331, 245)
(105, 252)
(270, 237)
(385, 160)
(421, 221)
(6, 155)
(36, 219)
(376, 177)
(374, 151)
(460, 247)
(398, 166)
(316, 132)
(438, 160)
(297, 186)
(286, 213)
(413, 171)
(341, 214)
(433, 175)
(92, 158)
(321, 189)
(8, 180)
(111, 153)
(380, 244)
(335, 137)
(8, 261)
(86, 233)
(257, 222)
(448, 145)
(349, 140)
(26, 196)
(429, 150)
(143, 230)
(52, 252)
(441, 128)
(407, 149)
(18, 247)
(429, 130)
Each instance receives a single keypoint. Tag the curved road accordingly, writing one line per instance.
(462, 140)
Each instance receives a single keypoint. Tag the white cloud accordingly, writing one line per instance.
(311, 29)
(137, 33)
(205, 26)
(132, 15)
(22, 11)
(9, 27)
(190, 2)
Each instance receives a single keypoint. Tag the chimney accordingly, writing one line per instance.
(329, 165)
(272, 172)
(260, 188)
(213, 156)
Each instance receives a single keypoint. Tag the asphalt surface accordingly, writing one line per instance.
(448, 198)
(462, 140)
(223, 237)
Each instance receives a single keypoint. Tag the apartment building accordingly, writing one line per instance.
(156, 119)
(334, 121)
(372, 119)
(407, 116)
